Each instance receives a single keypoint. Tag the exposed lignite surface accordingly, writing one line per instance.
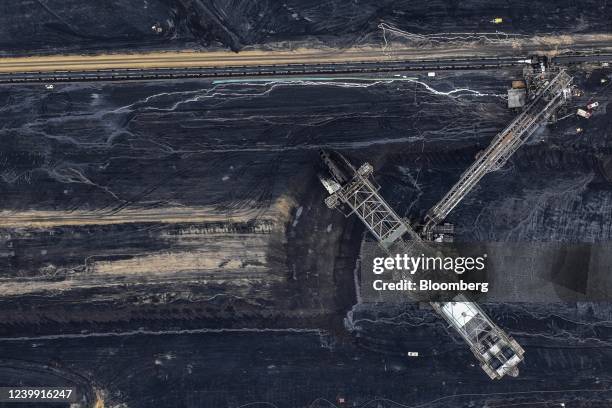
(44, 26)
(81, 161)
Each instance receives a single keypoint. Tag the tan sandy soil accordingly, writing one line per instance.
(400, 50)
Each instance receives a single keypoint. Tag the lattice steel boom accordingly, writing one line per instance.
(551, 95)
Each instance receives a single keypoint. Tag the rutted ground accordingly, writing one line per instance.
(242, 156)
(96, 178)
(55, 26)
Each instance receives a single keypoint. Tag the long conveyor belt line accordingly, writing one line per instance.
(86, 70)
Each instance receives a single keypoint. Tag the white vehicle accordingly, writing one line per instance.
(583, 113)
(593, 105)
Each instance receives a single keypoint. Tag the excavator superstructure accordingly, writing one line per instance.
(354, 191)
